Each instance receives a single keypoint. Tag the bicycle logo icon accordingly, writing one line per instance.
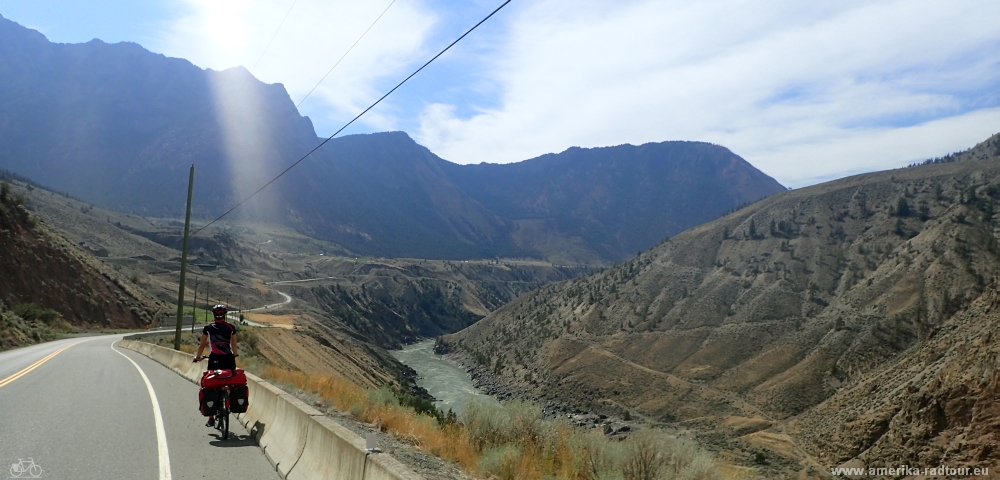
(25, 468)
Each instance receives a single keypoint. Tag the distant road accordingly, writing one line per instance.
(287, 300)
(80, 409)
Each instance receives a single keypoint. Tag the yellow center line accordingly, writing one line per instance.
(33, 366)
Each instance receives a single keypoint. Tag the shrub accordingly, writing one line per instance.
(602, 458)
(501, 461)
(16, 330)
(383, 396)
(31, 312)
(490, 424)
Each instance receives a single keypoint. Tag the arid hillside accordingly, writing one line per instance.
(50, 285)
(858, 309)
(345, 310)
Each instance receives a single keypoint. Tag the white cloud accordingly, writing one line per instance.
(220, 34)
(804, 90)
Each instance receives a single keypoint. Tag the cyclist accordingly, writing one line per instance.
(220, 336)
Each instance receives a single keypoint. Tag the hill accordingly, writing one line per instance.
(118, 126)
(50, 287)
(854, 316)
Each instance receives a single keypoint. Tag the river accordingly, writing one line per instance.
(446, 381)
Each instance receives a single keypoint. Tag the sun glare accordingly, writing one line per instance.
(224, 25)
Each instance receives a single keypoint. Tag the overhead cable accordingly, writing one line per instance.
(297, 105)
(317, 147)
(269, 42)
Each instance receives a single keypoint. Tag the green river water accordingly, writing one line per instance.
(446, 381)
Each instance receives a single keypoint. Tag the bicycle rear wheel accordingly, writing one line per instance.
(224, 415)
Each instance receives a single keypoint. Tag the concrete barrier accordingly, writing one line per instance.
(284, 445)
(260, 415)
(300, 441)
(384, 467)
(331, 448)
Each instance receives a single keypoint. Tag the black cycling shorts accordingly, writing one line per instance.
(221, 362)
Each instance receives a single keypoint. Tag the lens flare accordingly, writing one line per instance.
(247, 128)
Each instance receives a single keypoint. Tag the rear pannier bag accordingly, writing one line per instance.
(239, 398)
(208, 401)
(220, 378)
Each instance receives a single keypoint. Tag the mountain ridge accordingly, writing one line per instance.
(118, 126)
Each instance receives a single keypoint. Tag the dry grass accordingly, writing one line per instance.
(509, 441)
(447, 441)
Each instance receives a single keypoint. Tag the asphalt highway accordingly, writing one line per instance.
(79, 409)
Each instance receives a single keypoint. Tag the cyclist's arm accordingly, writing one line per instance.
(204, 344)
(235, 347)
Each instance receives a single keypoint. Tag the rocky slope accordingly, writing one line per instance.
(40, 271)
(394, 302)
(795, 307)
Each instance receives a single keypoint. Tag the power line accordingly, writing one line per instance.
(317, 147)
(243, 80)
(269, 42)
(297, 105)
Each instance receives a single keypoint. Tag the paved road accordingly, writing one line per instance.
(87, 413)
(287, 299)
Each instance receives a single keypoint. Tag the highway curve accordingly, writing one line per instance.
(86, 413)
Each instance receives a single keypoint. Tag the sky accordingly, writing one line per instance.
(805, 91)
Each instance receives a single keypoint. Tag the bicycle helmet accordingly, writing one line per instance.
(219, 311)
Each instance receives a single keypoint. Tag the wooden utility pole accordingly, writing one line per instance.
(194, 304)
(184, 257)
(208, 288)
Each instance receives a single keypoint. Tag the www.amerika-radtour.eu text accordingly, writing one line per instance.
(908, 470)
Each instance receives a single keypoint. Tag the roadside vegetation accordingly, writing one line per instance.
(27, 323)
(509, 441)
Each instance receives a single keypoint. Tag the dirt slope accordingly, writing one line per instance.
(38, 266)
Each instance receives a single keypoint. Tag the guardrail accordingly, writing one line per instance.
(300, 441)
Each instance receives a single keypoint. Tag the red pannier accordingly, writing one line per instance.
(221, 378)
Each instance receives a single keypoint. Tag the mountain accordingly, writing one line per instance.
(848, 320)
(118, 126)
(620, 199)
(579, 206)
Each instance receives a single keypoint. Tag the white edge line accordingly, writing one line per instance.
(161, 435)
